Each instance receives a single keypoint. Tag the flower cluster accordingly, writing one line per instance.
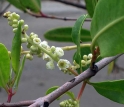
(69, 103)
(86, 60)
(36, 46)
(13, 20)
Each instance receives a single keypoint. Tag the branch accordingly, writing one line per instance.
(72, 4)
(46, 100)
(42, 15)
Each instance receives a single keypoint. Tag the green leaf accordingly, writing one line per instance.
(113, 90)
(17, 4)
(4, 66)
(64, 35)
(76, 31)
(90, 5)
(107, 27)
(32, 5)
(69, 93)
(15, 50)
(19, 73)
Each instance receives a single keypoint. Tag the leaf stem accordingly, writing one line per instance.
(81, 90)
(10, 94)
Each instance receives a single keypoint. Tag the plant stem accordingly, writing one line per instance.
(73, 72)
(25, 52)
(42, 15)
(81, 90)
(67, 48)
(10, 94)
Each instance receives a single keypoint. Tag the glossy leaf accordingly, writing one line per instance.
(113, 90)
(69, 93)
(19, 73)
(90, 5)
(15, 50)
(76, 31)
(32, 5)
(4, 66)
(107, 27)
(64, 35)
(17, 4)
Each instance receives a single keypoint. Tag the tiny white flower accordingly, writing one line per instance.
(85, 57)
(36, 41)
(46, 57)
(52, 48)
(26, 27)
(15, 25)
(44, 44)
(32, 36)
(29, 56)
(34, 48)
(63, 64)
(14, 30)
(15, 21)
(59, 52)
(83, 62)
(21, 22)
(90, 56)
(50, 65)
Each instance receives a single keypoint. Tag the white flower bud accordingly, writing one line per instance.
(25, 27)
(53, 48)
(59, 52)
(17, 16)
(21, 22)
(90, 56)
(15, 25)
(75, 103)
(83, 62)
(62, 104)
(44, 44)
(63, 64)
(7, 14)
(33, 36)
(85, 57)
(15, 21)
(23, 40)
(50, 65)
(32, 33)
(9, 18)
(14, 30)
(13, 14)
(46, 57)
(33, 48)
(29, 56)
(36, 41)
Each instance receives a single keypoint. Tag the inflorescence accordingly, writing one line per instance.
(41, 48)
